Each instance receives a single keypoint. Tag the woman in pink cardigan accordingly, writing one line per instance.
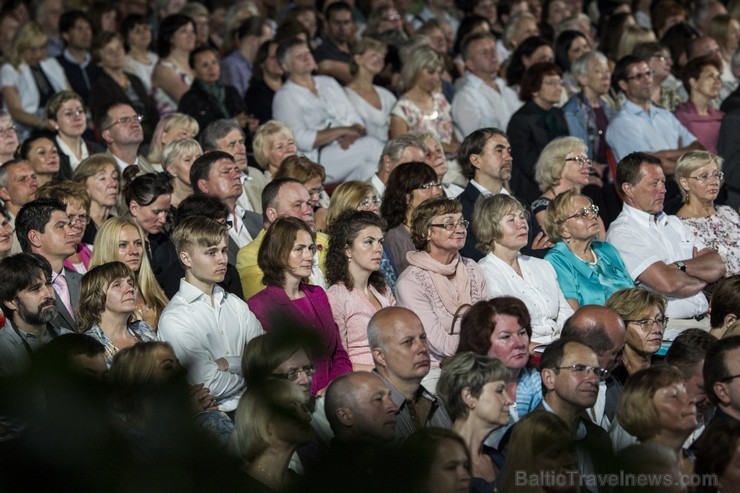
(285, 258)
(439, 285)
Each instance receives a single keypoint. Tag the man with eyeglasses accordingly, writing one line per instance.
(571, 374)
(660, 253)
(120, 127)
(642, 126)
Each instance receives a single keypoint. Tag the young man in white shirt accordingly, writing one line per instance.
(208, 327)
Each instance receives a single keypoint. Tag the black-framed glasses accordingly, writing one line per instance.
(585, 212)
(452, 225)
(583, 161)
(83, 219)
(602, 373)
(369, 202)
(293, 374)
(125, 120)
(430, 185)
(642, 75)
(729, 379)
(705, 176)
(647, 323)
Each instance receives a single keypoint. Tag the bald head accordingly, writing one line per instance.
(386, 321)
(358, 406)
(600, 328)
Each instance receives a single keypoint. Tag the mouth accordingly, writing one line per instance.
(423, 363)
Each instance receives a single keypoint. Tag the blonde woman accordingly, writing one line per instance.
(30, 79)
(171, 127)
(177, 158)
(272, 142)
(121, 239)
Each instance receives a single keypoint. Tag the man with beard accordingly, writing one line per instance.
(29, 305)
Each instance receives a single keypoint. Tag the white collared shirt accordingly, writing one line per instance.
(643, 239)
(486, 192)
(201, 333)
(73, 161)
(238, 231)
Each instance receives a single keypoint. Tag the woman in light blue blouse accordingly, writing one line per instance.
(589, 271)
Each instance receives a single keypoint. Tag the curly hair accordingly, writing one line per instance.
(343, 231)
(403, 180)
(423, 216)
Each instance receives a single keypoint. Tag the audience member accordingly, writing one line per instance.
(237, 66)
(76, 60)
(170, 128)
(333, 55)
(724, 308)
(6, 233)
(402, 149)
(717, 455)
(267, 78)
(272, 142)
(67, 116)
(177, 158)
(120, 127)
(41, 153)
(100, 175)
(701, 78)
(8, 136)
(312, 176)
(172, 76)
(721, 367)
(137, 39)
(434, 460)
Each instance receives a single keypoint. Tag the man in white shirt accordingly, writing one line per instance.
(403, 149)
(207, 327)
(660, 253)
(120, 127)
(484, 99)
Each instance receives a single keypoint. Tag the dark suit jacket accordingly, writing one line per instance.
(63, 318)
(65, 169)
(254, 225)
(528, 137)
(205, 108)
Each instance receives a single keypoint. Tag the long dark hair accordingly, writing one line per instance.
(403, 180)
(342, 233)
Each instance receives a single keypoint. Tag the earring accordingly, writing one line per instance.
(349, 259)
(567, 240)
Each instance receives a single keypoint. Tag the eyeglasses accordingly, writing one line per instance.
(582, 161)
(71, 113)
(82, 218)
(638, 77)
(125, 120)
(8, 130)
(369, 202)
(430, 185)
(729, 379)
(705, 176)
(647, 323)
(316, 191)
(452, 226)
(292, 375)
(663, 58)
(585, 212)
(602, 373)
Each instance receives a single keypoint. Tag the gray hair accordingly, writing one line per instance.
(395, 147)
(582, 64)
(216, 131)
(4, 170)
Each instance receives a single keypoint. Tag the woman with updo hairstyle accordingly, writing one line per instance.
(500, 328)
(172, 127)
(535, 124)
(43, 156)
(409, 184)
(655, 407)
(372, 102)
(422, 107)
(501, 228)
(357, 287)
(177, 159)
(286, 260)
(107, 306)
(273, 141)
(440, 285)
(473, 390)
(172, 76)
(270, 423)
(120, 239)
(100, 175)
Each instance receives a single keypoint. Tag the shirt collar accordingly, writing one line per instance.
(68, 56)
(193, 294)
(645, 219)
(635, 108)
(486, 192)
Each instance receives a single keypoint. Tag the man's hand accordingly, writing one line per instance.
(202, 398)
(223, 364)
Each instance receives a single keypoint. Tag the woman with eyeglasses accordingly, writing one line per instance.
(67, 116)
(699, 176)
(501, 227)
(286, 259)
(100, 175)
(644, 317)
(8, 138)
(77, 201)
(357, 286)
(589, 271)
(439, 285)
(409, 185)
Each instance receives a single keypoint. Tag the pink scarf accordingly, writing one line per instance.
(454, 292)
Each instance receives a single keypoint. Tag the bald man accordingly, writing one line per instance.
(603, 330)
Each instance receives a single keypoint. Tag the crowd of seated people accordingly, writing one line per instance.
(419, 248)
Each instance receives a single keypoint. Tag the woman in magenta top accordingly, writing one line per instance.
(285, 258)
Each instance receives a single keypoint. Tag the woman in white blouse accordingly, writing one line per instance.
(500, 225)
(373, 103)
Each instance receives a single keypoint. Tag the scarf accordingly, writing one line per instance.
(218, 93)
(454, 292)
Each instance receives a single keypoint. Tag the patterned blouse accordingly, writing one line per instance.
(721, 233)
(140, 330)
(438, 121)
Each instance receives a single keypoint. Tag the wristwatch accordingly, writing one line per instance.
(681, 265)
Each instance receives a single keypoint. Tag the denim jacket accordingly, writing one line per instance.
(582, 120)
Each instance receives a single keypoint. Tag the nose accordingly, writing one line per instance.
(48, 291)
(132, 250)
(437, 192)
(390, 406)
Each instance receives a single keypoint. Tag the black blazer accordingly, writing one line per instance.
(63, 317)
(205, 108)
(65, 169)
(527, 138)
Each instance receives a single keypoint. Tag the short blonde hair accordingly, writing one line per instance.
(636, 412)
(423, 216)
(265, 136)
(630, 303)
(178, 148)
(551, 162)
(198, 231)
(257, 408)
(557, 213)
(27, 36)
(166, 124)
(690, 162)
(487, 215)
(347, 196)
(420, 58)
